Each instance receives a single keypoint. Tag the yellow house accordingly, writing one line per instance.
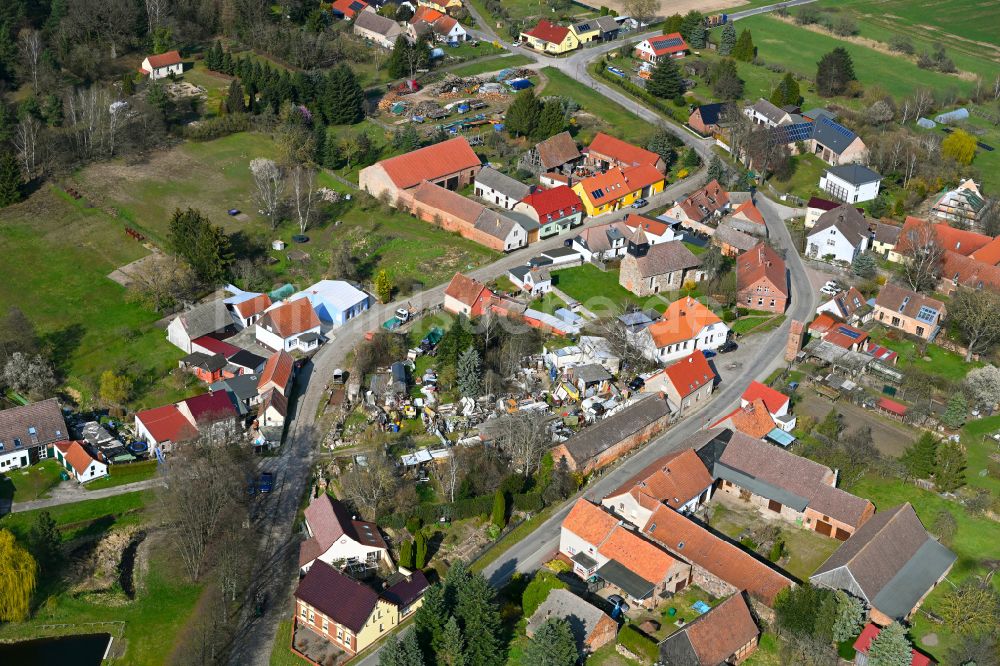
(441, 5)
(550, 38)
(352, 615)
(586, 31)
(617, 188)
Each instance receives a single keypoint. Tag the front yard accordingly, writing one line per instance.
(932, 359)
(30, 483)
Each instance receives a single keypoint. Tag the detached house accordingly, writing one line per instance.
(965, 204)
(289, 325)
(850, 183)
(680, 480)
(840, 234)
(599, 545)
(648, 269)
(277, 374)
(452, 164)
(606, 151)
(848, 306)
(80, 462)
(162, 427)
(727, 634)
(548, 37)
(906, 310)
(499, 189)
(664, 46)
(688, 383)
(377, 29)
(210, 318)
(26, 432)
(349, 614)
(339, 539)
(247, 312)
(600, 29)
(609, 240)
(557, 154)
(163, 65)
(707, 118)
(686, 325)
(763, 112)
(835, 144)
(348, 9)
(466, 296)
(335, 301)
(891, 563)
(702, 205)
(556, 210)
(761, 281)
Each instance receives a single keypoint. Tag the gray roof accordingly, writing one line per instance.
(769, 111)
(558, 252)
(210, 362)
(582, 616)
(491, 222)
(591, 373)
(247, 359)
(887, 233)
(730, 235)
(502, 183)
(892, 559)
(664, 258)
(244, 387)
(855, 174)
(607, 23)
(833, 135)
(606, 433)
(377, 24)
(44, 418)
(631, 583)
(847, 220)
(206, 318)
(818, 113)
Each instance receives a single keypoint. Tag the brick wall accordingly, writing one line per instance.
(614, 452)
(749, 296)
(448, 222)
(710, 582)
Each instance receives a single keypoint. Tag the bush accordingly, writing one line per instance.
(743, 312)
(528, 502)
(538, 590)
(639, 643)
(680, 102)
(901, 44)
(413, 524)
(777, 550)
(213, 128)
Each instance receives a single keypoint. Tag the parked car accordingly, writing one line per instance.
(617, 600)
(728, 346)
(831, 288)
(639, 203)
(403, 315)
(636, 384)
(709, 353)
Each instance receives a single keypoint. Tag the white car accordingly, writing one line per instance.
(831, 288)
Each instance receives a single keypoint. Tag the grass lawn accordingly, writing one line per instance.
(593, 287)
(490, 65)
(767, 652)
(608, 656)
(86, 517)
(30, 483)
(752, 324)
(979, 446)
(281, 654)
(469, 50)
(125, 473)
(611, 117)
(696, 249)
(804, 181)
(798, 50)
(941, 362)
(548, 303)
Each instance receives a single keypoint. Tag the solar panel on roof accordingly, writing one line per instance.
(853, 335)
(840, 129)
(667, 43)
(927, 314)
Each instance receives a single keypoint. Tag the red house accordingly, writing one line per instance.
(864, 643)
(761, 281)
(664, 46)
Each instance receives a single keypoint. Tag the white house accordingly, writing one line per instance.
(27, 431)
(764, 112)
(535, 281)
(850, 183)
(335, 301)
(685, 326)
(838, 235)
(273, 408)
(200, 320)
(290, 325)
(378, 29)
(163, 65)
(679, 480)
(339, 539)
(610, 240)
(499, 189)
(79, 462)
(247, 307)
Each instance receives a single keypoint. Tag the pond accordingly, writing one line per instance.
(82, 650)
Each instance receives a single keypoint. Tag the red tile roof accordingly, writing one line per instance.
(641, 176)
(690, 374)
(431, 162)
(167, 423)
(753, 420)
(989, 253)
(823, 323)
(164, 59)
(773, 399)
(761, 262)
(425, 14)
(639, 556)
(605, 187)
(211, 407)
(668, 43)
(955, 240)
(748, 211)
(465, 289)
(589, 522)
(968, 272)
(277, 372)
(349, 8)
(655, 227)
(868, 634)
(722, 631)
(706, 201)
(846, 336)
(674, 479)
(620, 151)
(216, 346)
(558, 202)
(891, 406)
(336, 595)
(290, 318)
(329, 520)
(697, 545)
(76, 455)
(682, 320)
(255, 305)
(548, 32)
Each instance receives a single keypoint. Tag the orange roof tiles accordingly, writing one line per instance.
(605, 145)
(989, 253)
(681, 321)
(655, 227)
(690, 374)
(425, 14)
(431, 162)
(548, 32)
(254, 306)
(955, 240)
(753, 420)
(589, 522)
(77, 456)
(748, 211)
(697, 545)
(774, 400)
(706, 201)
(277, 372)
(968, 272)
(291, 318)
(349, 8)
(639, 556)
(641, 176)
(605, 187)
(761, 262)
(674, 479)
(822, 323)
(465, 289)
(722, 631)
(164, 59)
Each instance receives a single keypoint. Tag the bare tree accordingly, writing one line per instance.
(304, 193)
(270, 182)
(977, 315)
(156, 12)
(26, 142)
(642, 11)
(524, 437)
(163, 282)
(368, 488)
(29, 374)
(922, 257)
(30, 44)
(446, 473)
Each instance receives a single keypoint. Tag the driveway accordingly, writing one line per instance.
(69, 492)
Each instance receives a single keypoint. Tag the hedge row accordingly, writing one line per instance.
(663, 106)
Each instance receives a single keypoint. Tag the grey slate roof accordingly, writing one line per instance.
(832, 134)
(607, 23)
(769, 111)
(887, 233)
(847, 220)
(208, 317)
(591, 373)
(244, 387)
(855, 174)
(502, 183)
(664, 258)
(582, 616)
(44, 417)
(633, 584)
(377, 24)
(606, 433)
(728, 234)
(491, 222)
(891, 558)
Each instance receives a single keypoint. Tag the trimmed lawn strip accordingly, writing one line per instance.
(30, 483)
(616, 119)
(125, 473)
(281, 653)
(84, 517)
(804, 181)
(942, 362)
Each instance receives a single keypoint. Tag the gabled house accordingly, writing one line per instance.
(885, 239)
(680, 480)
(848, 306)
(751, 419)
(727, 634)
(273, 409)
(246, 362)
(535, 281)
(599, 545)
(163, 427)
(206, 367)
(963, 204)
(348, 9)
(606, 151)
(600, 29)
(277, 374)
(556, 210)
(247, 312)
(835, 144)
(27, 431)
(209, 346)
(468, 218)
(201, 320)
(349, 614)
(839, 235)
(548, 37)
(289, 325)
(162, 65)
(816, 207)
(649, 268)
(747, 218)
(211, 413)
(850, 183)
(443, 6)
(592, 628)
(763, 112)
(906, 310)
(610, 240)
(731, 241)
(499, 189)
(339, 539)
(663, 46)
(776, 402)
(242, 390)
(452, 164)
(82, 465)
(706, 119)
(377, 29)
(686, 325)
(702, 205)
(761, 280)
(618, 187)
(607, 440)
(891, 563)
(467, 296)
(335, 301)
(558, 153)
(688, 383)
(444, 28)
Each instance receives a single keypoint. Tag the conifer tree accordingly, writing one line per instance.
(920, 457)
(834, 72)
(744, 49)
(406, 554)
(11, 181)
(420, 550)
(890, 647)
(453, 645)
(728, 39)
(522, 116)
(234, 98)
(499, 515)
(551, 120)
(552, 645)
(468, 373)
(665, 81)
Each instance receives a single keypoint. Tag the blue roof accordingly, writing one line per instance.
(519, 84)
(780, 437)
(568, 316)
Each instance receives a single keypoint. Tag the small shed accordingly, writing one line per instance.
(890, 408)
(926, 123)
(952, 116)
(278, 244)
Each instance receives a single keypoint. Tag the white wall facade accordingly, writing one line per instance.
(570, 544)
(832, 242)
(178, 336)
(848, 192)
(495, 197)
(14, 459)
